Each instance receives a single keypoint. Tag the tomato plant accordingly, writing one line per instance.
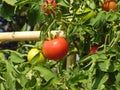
(55, 49)
(86, 57)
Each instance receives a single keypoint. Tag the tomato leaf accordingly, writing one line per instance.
(111, 16)
(2, 56)
(100, 80)
(104, 66)
(64, 3)
(31, 82)
(9, 77)
(2, 86)
(10, 11)
(91, 4)
(11, 2)
(16, 57)
(35, 15)
(46, 73)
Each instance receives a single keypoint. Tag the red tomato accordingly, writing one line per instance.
(55, 49)
(93, 49)
(49, 6)
(109, 5)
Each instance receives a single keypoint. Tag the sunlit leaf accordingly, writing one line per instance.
(11, 2)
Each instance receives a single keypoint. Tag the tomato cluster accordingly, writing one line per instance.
(109, 5)
(49, 6)
(54, 49)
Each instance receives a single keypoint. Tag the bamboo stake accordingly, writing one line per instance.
(25, 35)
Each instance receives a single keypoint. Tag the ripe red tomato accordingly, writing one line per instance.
(93, 49)
(109, 5)
(49, 6)
(55, 49)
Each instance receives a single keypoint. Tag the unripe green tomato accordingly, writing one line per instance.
(33, 52)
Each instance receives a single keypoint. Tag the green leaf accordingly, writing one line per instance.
(10, 80)
(117, 78)
(7, 11)
(16, 57)
(10, 2)
(111, 16)
(99, 19)
(100, 81)
(35, 15)
(2, 56)
(46, 73)
(2, 86)
(104, 66)
(21, 81)
(64, 3)
(2, 66)
(91, 4)
(31, 82)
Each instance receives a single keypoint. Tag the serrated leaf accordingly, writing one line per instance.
(10, 2)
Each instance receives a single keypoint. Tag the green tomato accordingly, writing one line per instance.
(33, 52)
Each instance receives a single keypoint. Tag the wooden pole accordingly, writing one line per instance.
(25, 35)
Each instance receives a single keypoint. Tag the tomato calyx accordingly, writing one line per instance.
(49, 6)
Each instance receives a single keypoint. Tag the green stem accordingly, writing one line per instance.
(105, 47)
(87, 65)
(48, 31)
(114, 41)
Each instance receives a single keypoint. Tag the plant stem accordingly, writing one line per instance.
(114, 41)
(48, 31)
